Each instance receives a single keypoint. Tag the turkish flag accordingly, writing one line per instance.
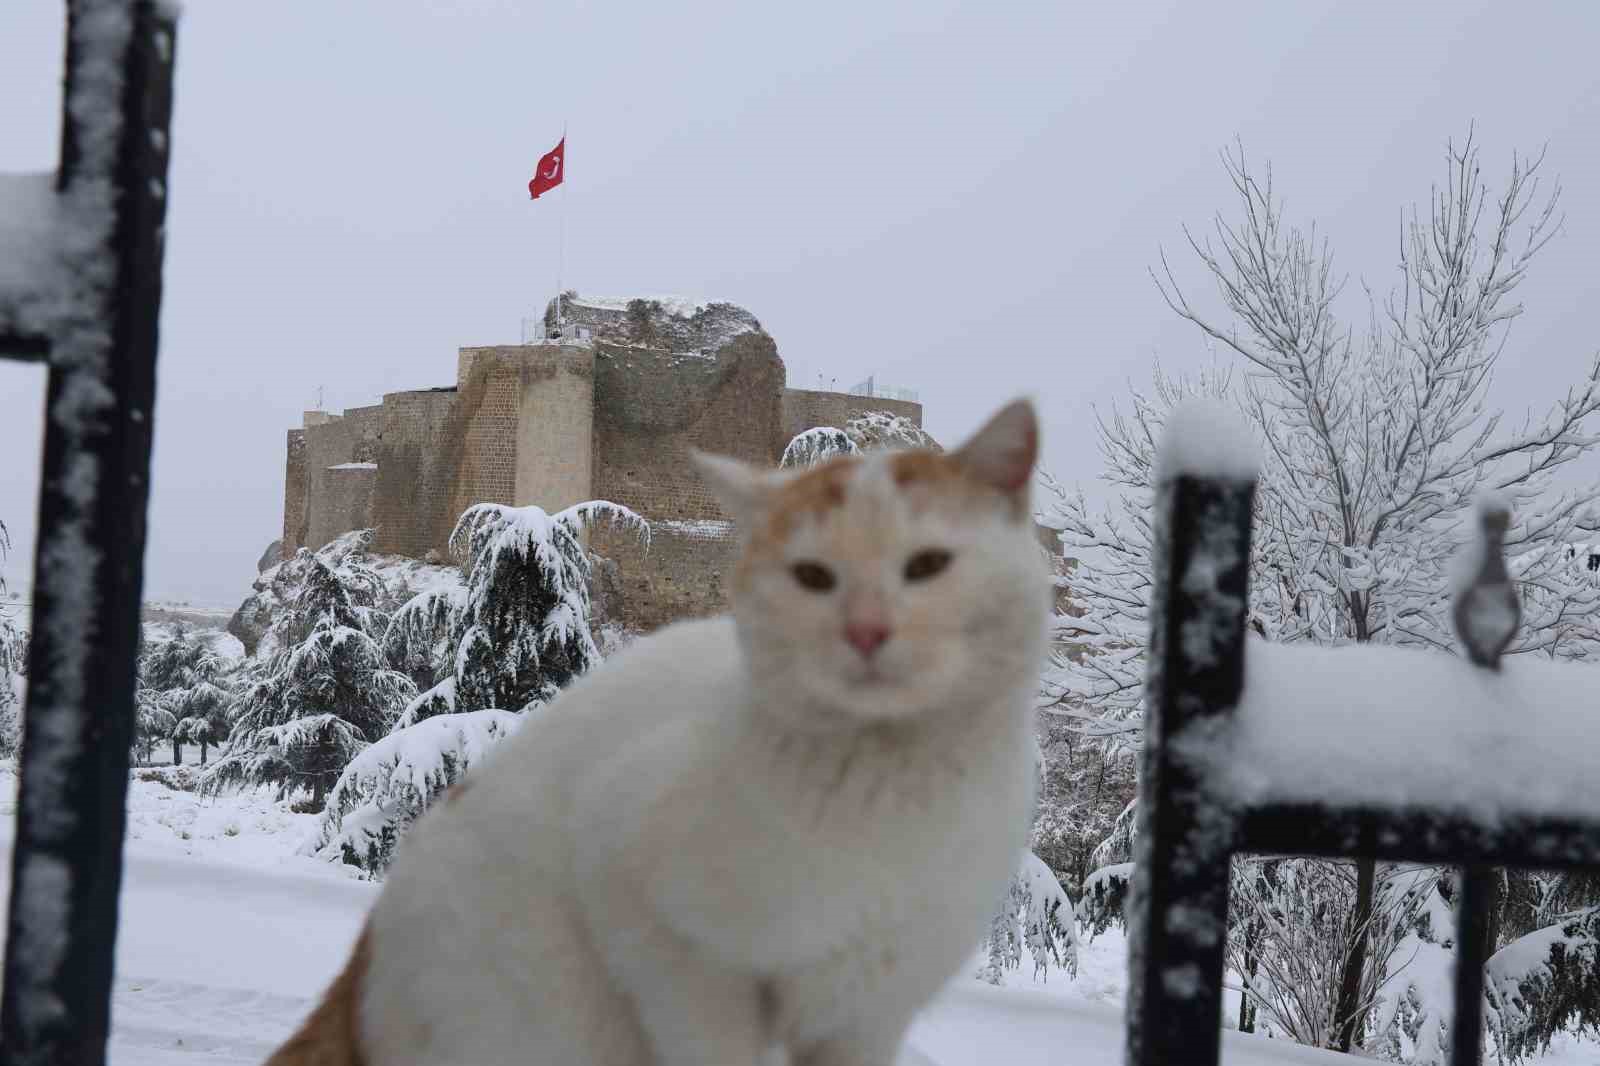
(551, 169)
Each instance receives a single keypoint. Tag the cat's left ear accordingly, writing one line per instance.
(742, 489)
(1001, 455)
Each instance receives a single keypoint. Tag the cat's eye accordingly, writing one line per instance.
(814, 576)
(926, 563)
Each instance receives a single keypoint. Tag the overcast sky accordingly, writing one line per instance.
(962, 199)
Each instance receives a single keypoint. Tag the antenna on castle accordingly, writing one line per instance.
(319, 397)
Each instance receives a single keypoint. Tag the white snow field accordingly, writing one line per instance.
(227, 935)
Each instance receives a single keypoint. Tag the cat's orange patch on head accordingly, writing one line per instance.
(924, 468)
(812, 494)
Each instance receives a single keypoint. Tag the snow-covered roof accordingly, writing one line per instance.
(678, 306)
(1394, 727)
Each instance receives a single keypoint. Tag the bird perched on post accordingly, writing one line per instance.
(1487, 610)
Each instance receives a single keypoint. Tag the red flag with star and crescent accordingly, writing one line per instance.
(551, 169)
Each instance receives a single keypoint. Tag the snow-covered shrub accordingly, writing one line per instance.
(871, 430)
(321, 698)
(1035, 916)
(393, 782)
(1105, 893)
(816, 445)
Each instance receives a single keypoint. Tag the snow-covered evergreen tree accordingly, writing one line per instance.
(393, 782)
(517, 634)
(180, 676)
(816, 445)
(323, 697)
(1546, 977)
(520, 631)
(152, 722)
(1375, 445)
(1035, 917)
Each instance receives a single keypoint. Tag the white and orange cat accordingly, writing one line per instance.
(776, 831)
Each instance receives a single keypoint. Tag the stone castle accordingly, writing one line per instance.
(607, 411)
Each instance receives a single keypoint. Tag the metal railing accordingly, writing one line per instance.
(1191, 824)
(873, 388)
(90, 315)
(534, 331)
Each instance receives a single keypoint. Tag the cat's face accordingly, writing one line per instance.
(895, 584)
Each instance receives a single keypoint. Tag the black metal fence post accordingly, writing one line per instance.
(88, 572)
(1178, 906)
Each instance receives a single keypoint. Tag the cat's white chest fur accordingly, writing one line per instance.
(646, 856)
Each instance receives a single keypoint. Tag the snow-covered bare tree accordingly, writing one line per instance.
(324, 695)
(1375, 444)
(13, 657)
(1085, 783)
(1291, 928)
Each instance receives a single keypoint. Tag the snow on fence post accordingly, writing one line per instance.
(1178, 904)
(91, 309)
(1486, 614)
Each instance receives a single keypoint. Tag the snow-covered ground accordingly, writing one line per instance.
(226, 936)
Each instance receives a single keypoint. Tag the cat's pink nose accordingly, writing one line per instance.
(866, 637)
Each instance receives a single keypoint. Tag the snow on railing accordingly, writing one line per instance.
(1370, 752)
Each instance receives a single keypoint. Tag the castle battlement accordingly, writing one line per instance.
(612, 416)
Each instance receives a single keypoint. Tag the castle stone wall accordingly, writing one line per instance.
(333, 440)
(294, 493)
(417, 458)
(486, 408)
(349, 491)
(651, 408)
(555, 427)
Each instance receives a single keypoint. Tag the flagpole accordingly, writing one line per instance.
(561, 246)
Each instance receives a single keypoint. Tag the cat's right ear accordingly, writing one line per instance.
(742, 489)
